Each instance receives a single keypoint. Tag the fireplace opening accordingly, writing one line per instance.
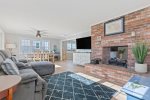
(116, 55)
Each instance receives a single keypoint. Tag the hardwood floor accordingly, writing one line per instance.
(63, 66)
(67, 65)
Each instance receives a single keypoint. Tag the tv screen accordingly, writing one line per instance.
(84, 43)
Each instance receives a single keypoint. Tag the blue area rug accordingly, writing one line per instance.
(70, 86)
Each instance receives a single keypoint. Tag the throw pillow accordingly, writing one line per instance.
(9, 67)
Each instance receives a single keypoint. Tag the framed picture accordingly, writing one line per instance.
(37, 45)
(115, 26)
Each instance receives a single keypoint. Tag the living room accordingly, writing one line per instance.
(74, 50)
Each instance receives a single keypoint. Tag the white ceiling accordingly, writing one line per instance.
(62, 18)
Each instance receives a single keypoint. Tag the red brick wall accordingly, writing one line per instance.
(138, 22)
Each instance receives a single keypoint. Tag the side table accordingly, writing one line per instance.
(8, 85)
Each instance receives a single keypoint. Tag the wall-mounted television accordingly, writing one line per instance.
(83, 43)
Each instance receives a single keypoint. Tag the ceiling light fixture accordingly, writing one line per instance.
(38, 35)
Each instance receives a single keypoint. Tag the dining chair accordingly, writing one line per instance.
(45, 56)
(37, 56)
(51, 57)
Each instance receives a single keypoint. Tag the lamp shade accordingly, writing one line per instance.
(11, 46)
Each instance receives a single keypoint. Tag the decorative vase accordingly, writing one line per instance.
(140, 68)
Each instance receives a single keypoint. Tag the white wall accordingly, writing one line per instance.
(2, 39)
(78, 35)
(13, 38)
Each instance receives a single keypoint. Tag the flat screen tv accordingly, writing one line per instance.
(83, 43)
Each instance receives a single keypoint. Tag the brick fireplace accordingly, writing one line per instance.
(137, 22)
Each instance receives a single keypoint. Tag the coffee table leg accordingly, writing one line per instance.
(10, 94)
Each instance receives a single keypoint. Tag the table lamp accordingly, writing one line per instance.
(11, 46)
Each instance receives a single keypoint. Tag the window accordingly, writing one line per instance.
(36, 44)
(25, 43)
(25, 46)
(29, 46)
(74, 46)
(45, 45)
(71, 45)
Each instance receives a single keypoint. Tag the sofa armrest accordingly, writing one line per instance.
(28, 75)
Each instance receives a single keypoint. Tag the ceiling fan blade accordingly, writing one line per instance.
(33, 29)
(43, 30)
(44, 35)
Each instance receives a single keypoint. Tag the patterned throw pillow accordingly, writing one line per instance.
(9, 67)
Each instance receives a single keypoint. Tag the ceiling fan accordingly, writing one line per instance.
(39, 33)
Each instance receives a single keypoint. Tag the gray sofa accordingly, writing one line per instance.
(43, 68)
(32, 85)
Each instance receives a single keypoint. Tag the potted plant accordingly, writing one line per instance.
(140, 51)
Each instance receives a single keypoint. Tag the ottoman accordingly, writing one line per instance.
(43, 67)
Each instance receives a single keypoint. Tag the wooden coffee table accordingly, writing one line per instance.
(8, 85)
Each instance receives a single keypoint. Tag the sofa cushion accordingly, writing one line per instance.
(43, 67)
(9, 67)
(29, 75)
(2, 57)
(7, 54)
(1, 61)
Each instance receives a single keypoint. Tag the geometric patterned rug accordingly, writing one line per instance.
(71, 86)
